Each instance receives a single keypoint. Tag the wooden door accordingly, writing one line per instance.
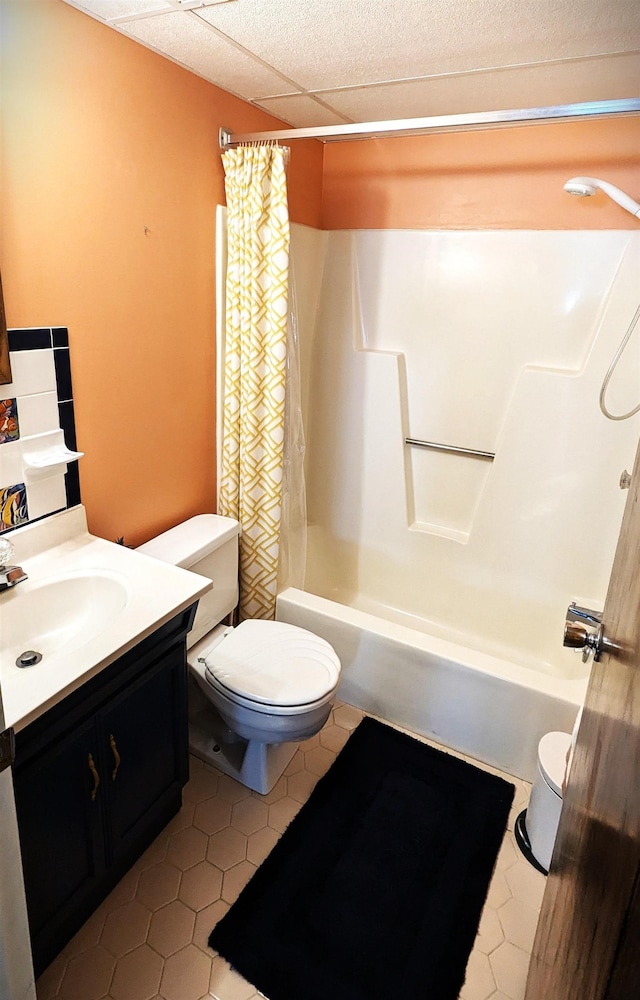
(587, 945)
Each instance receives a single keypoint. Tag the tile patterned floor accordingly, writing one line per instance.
(148, 939)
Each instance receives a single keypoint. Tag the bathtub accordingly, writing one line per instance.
(489, 708)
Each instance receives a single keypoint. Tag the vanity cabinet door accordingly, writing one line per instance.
(60, 818)
(96, 778)
(145, 749)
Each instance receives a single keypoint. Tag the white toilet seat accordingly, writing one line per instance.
(270, 667)
(265, 708)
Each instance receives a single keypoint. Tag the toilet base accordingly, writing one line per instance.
(256, 765)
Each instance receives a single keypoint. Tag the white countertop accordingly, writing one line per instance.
(150, 594)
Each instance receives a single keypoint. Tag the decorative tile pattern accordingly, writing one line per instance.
(13, 506)
(148, 940)
(9, 427)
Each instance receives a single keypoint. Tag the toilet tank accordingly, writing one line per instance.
(206, 544)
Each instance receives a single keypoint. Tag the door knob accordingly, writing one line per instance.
(578, 636)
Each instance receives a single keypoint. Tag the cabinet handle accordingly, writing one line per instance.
(116, 756)
(96, 777)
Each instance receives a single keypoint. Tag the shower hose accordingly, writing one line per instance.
(612, 368)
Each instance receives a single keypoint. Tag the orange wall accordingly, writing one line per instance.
(102, 138)
(502, 179)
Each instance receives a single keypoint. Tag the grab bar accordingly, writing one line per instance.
(473, 452)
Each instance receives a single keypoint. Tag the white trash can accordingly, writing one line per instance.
(537, 826)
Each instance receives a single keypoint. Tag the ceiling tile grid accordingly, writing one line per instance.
(323, 62)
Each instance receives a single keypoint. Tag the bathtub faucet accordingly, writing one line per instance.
(577, 614)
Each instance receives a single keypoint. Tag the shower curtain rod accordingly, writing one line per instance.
(442, 123)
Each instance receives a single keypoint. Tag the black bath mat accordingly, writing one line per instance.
(375, 889)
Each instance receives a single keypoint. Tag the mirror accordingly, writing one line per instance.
(5, 363)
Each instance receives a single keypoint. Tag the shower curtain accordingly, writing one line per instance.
(255, 366)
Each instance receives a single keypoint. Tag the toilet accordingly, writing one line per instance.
(257, 688)
(536, 827)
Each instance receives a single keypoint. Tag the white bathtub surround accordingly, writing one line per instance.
(491, 340)
(463, 568)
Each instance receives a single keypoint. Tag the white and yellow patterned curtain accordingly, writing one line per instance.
(255, 365)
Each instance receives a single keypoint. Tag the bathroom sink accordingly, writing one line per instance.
(58, 615)
(84, 603)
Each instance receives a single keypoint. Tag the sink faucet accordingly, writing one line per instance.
(9, 575)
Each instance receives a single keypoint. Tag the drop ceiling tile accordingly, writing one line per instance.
(540, 86)
(301, 111)
(327, 43)
(191, 4)
(183, 37)
(111, 10)
(107, 10)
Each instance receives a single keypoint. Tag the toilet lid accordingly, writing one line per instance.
(274, 663)
(552, 758)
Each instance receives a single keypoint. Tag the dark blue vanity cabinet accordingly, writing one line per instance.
(96, 778)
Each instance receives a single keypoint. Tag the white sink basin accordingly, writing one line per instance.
(58, 615)
(85, 604)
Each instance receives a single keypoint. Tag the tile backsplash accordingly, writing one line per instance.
(37, 426)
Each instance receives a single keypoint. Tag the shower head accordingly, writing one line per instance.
(586, 186)
(580, 187)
